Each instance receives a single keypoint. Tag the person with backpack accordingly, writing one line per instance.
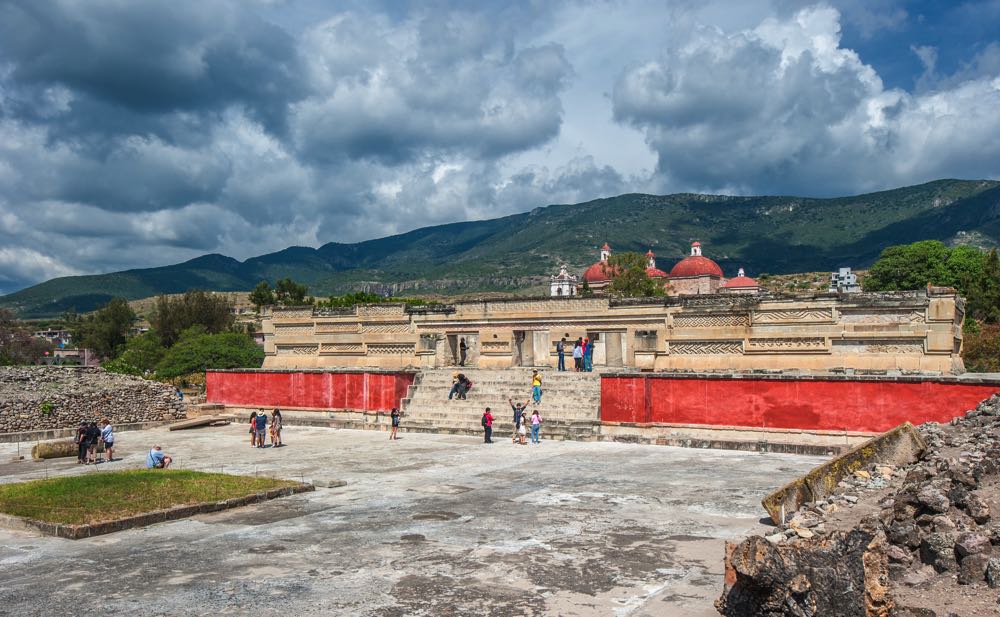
(487, 426)
(93, 439)
(536, 427)
(81, 444)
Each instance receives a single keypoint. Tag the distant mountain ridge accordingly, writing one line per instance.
(774, 234)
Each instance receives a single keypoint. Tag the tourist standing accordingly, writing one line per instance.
(108, 437)
(81, 444)
(487, 426)
(536, 386)
(463, 349)
(521, 431)
(395, 422)
(261, 427)
(276, 428)
(578, 355)
(588, 357)
(93, 438)
(518, 409)
(253, 428)
(561, 350)
(536, 427)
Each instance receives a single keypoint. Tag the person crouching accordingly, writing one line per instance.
(156, 459)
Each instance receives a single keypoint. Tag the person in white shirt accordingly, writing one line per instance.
(108, 437)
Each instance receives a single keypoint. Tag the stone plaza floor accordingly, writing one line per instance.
(427, 525)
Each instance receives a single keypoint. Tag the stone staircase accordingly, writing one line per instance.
(569, 408)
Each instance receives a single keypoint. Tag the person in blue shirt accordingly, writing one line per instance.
(156, 459)
(261, 428)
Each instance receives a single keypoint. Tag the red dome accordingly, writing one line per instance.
(695, 265)
(656, 273)
(740, 281)
(596, 273)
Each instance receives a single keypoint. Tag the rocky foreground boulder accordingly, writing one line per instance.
(44, 397)
(918, 540)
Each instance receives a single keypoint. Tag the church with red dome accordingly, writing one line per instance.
(693, 275)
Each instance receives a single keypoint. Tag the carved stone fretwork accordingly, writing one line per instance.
(341, 348)
(293, 330)
(706, 347)
(296, 350)
(861, 315)
(386, 328)
(369, 310)
(333, 312)
(295, 313)
(787, 344)
(336, 328)
(879, 346)
(711, 321)
(494, 347)
(793, 316)
(537, 306)
(391, 349)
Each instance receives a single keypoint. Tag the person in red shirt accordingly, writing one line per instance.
(487, 426)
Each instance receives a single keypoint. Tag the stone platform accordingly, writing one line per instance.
(427, 525)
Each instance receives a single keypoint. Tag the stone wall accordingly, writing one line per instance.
(917, 331)
(39, 397)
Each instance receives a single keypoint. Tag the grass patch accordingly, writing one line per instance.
(110, 496)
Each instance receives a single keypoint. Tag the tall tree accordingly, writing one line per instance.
(289, 293)
(106, 330)
(984, 291)
(212, 311)
(17, 345)
(629, 278)
(262, 295)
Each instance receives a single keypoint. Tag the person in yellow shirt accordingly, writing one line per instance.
(536, 387)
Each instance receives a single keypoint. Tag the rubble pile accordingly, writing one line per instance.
(42, 397)
(932, 530)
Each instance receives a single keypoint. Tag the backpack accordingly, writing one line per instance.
(484, 420)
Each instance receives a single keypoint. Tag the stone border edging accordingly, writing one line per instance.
(78, 532)
(49, 434)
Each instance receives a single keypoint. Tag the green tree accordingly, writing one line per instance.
(586, 291)
(910, 266)
(142, 352)
(289, 293)
(17, 345)
(983, 293)
(212, 311)
(629, 278)
(981, 349)
(262, 295)
(197, 351)
(106, 330)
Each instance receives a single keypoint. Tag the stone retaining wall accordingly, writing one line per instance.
(38, 397)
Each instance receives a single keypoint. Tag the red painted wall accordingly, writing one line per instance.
(837, 405)
(356, 391)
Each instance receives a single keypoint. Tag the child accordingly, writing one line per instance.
(395, 422)
(536, 427)
(521, 431)
(276, 428)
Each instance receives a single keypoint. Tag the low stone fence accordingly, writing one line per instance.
(47, 397)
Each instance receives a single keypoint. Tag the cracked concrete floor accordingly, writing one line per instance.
(428, 525)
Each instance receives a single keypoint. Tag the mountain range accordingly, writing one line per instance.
(767, 234)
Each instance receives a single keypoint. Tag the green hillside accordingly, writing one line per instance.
(763, 234)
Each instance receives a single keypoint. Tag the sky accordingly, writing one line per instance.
(137, 134)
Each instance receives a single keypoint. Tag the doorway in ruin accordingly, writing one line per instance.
(521, 349)
(452, 349)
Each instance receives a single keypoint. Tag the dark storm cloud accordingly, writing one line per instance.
(153, 57)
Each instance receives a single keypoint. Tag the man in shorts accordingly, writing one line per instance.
(156, 459)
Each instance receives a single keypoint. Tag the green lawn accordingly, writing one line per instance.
(102, 497)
